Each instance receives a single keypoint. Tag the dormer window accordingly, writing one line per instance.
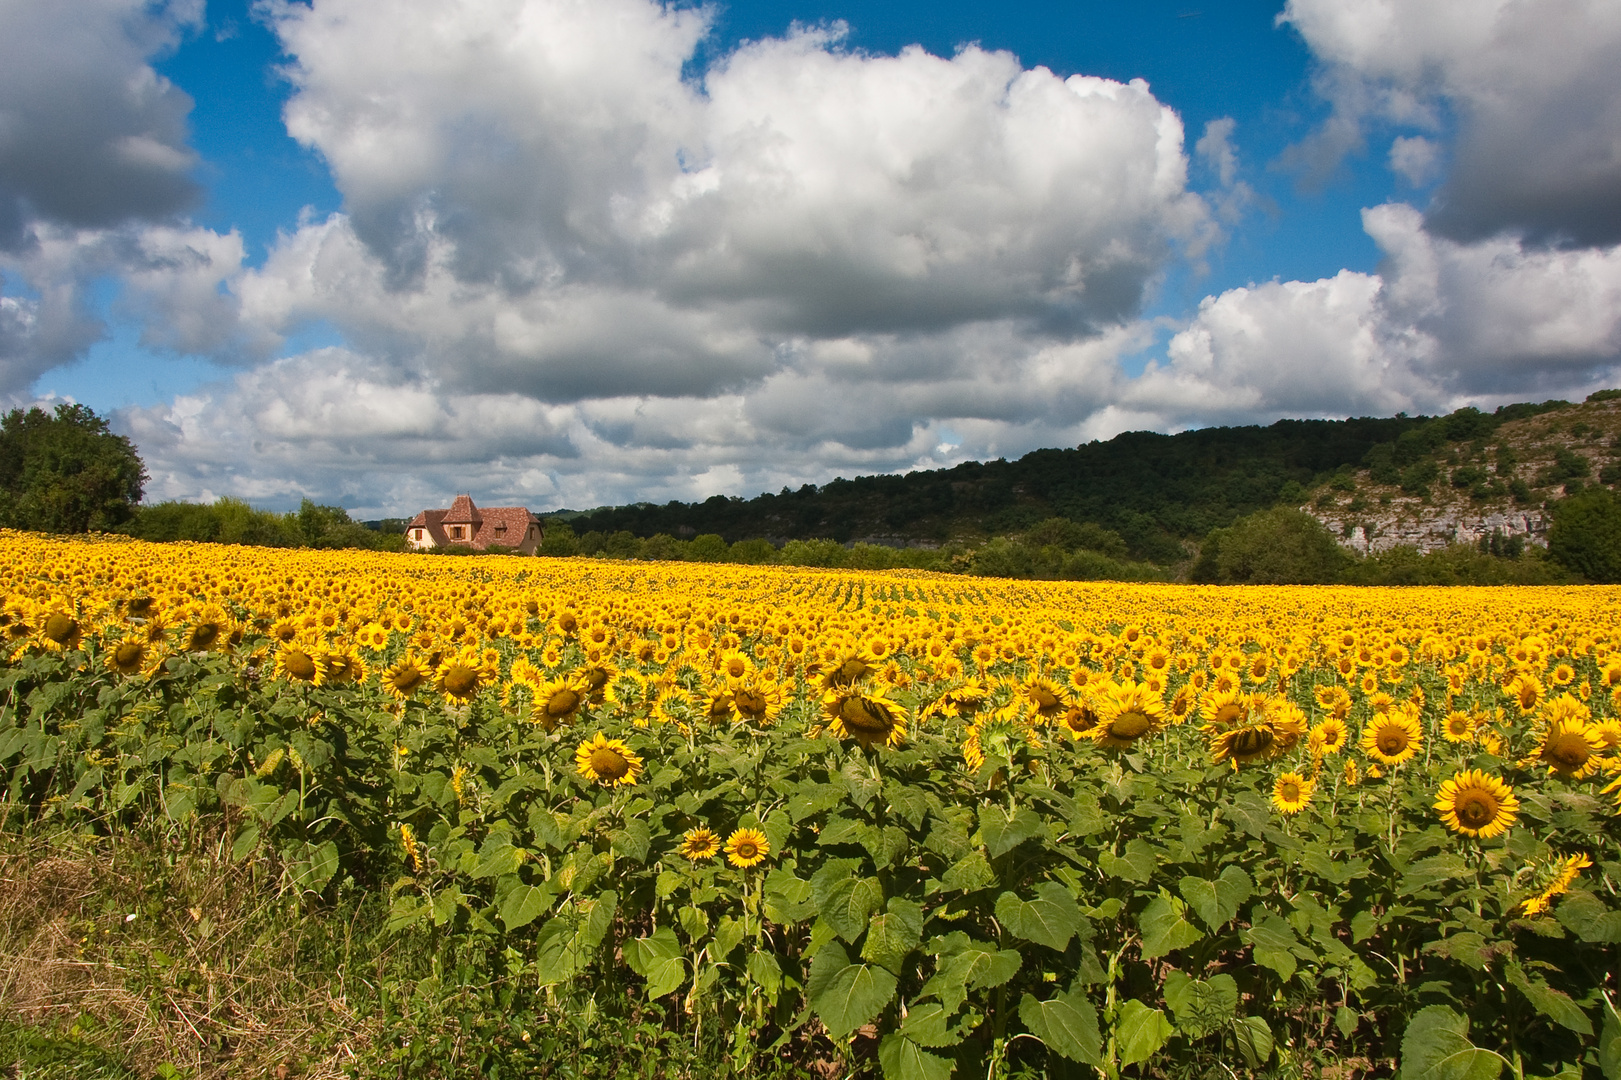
(500, 528)
(418, 535)
(457, 533)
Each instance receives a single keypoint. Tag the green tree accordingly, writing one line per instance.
(559, 540)
(1586, 535)
(67, 472)
(1281, 546)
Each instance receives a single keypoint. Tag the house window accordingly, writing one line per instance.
(500, 528)
(456, 533)
(418, 535)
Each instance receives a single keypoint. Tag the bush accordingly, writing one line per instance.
(1281, 546)
(66, 472)
(558, 540)
(1586, 535)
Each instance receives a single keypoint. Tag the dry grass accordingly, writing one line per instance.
(215, 974)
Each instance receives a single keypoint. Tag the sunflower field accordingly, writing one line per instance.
(921, 826)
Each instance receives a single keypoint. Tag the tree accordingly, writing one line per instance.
(1281, 546)
(66, 472)
(1586, 535)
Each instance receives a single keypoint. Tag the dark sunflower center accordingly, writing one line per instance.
(1290, 792)
(1252, 741)
(735, 669)
(1044, 698)
(1570, 751)
(608, 763)
(1129, 725)
(852, 669)
(1476, 809)
(562, 702)
(751, 702)
(460, 680)
(202, 636)
(301, 665)
(863, 715)
(747, 849)
(60, 628)
(1227, 714)
(408, 679)
(128, 655)
(1391, 741)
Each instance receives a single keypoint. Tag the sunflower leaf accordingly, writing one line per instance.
(1254, 1039)
(929, 1024)
(633, 840)
(1140, 1032)
(1067, 1024)
(1436, 1046)
(847, 995)
(524, 904)
(1165, 927)
(1001, 832)
(969, 873)
(1556, 1005)
(902, 1059)
(892, 936)
(1217, 902)
(1200, 1006)
(1586, 916)
(849, 903)
(1051, 919)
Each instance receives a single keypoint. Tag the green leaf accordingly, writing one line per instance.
(1200, 1007)
(524, 904)
(1139, 1032)
(1466, 947)
(406, 911)
(247, 841)
(1067, 1024)
(1001, 833)
(1165, 926)
(1437, 1047)
(1051, 919)
(846, 995)
(1136, 865)
(633, 840)
(1254, 1040)
(556, 958)
(1586, 916)
(728, 936)
(320, 863)
(902, 1059)
(766, 972)
(1556, 1005)
(498, 857)
(1427, 873)
(928, 1024)
(658, 959)
(892, 936)
(972, 967)
(849, 903)
(598, 919)
(1609, 1044)
(1274, 941)
(1217, 902)
(969, 873)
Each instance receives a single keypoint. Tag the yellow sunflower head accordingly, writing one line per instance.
(1391, 738)
(1047, 699)
(1458, 727)
(128, 656)
(405, 677)
(1569, 748)
(866, 715)
(607, 761)
(747, 847)
(699, 844)
(1127, 714)
(1291, 792)
(758, 701)
(1331, 735)
(556, 702)
(461, 676)
(1477, 804)
(59, 631)
(300, 662)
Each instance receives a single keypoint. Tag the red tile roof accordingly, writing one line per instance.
(504, 525)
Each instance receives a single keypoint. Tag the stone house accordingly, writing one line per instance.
(466, 525)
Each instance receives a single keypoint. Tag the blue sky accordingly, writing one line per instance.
(315, 256)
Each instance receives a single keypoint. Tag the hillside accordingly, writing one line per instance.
(1153, 490)
(1377, 483)
(1467, 476)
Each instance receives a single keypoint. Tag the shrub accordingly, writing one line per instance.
(1586, 535)
(1281, 546)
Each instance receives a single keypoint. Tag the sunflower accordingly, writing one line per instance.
(734, 667)
(1291, 793)
(848, 666)
(1458, 727)
(343, 664)
(699, 844)
(720, 705)
(1570, 749)
(1336, 700)
(1182, 703)
(1223, 707)
(128, 656)
(1079, 721)
(460, 677)
(1046, 699)
(405, 677)
(1391, 738)
(208, 629)
(557, 701)
(1331, 735)
(1525, 689)
(747, 847)
(1261, 731)
(1568, 869)
(1127, 714)
(608, 761)
(1477, 804)
(759, 701)
(1610, 732)
(867, 716)
(1563, 675)
(60, 631)
(297, 662)
(962, 700)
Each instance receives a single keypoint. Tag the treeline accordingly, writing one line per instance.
(1153, 491)
(232, 521)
